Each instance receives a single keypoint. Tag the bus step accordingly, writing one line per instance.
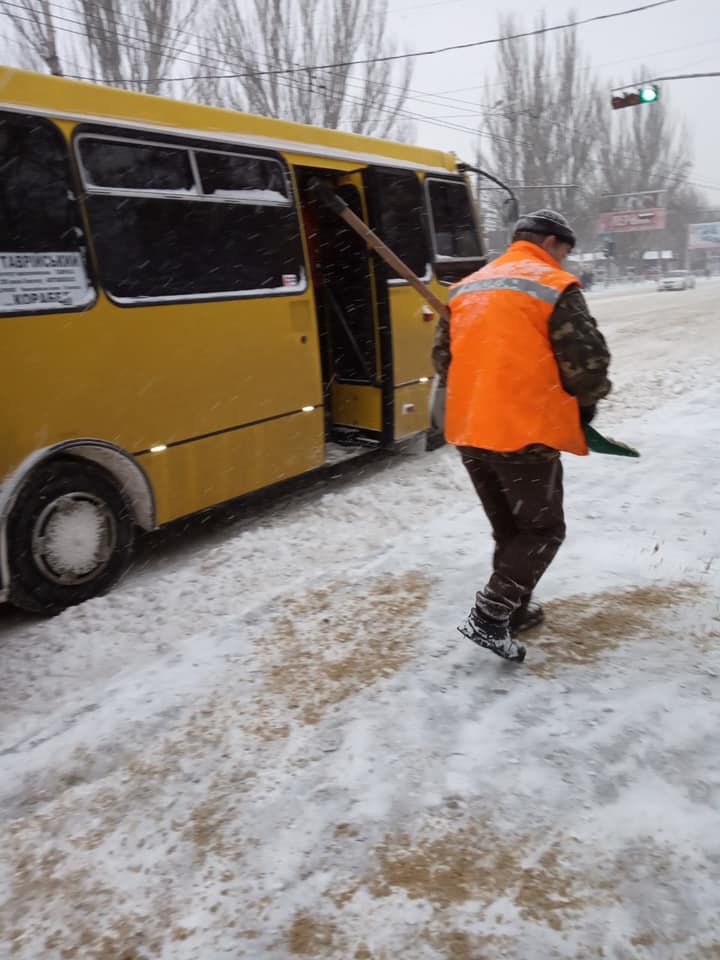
(352, 437)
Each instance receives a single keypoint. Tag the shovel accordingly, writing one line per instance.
(330, 199)
(597, 443)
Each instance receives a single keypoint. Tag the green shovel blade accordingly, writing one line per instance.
(600, 444)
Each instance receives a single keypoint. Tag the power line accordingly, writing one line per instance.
(592, 66)
(144, 37)
(149, 43)
(599, 165)
(117, 37)
(419, 53)
(24, 47)
(201, 56)
(435, 121)
(103, 35)
(670, 176)
(362, 102)
(204, 58)
(451, 101)
(129, 41)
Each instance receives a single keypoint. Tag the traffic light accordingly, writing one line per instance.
(648, 93)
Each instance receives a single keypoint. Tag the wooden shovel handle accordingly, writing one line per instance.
(338, 205)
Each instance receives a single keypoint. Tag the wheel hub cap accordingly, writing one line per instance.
(74, 538)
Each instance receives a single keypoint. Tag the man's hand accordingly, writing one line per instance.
(587, 413)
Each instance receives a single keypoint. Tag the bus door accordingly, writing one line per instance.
(349, 315)
(398, 215)
(428, 221)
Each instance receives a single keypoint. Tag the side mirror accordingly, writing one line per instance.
(510, 210)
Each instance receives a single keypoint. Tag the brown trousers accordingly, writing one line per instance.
(523, 501)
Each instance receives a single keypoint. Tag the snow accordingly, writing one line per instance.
(142, 190)
(74, 536)
(252, 196)
(426, 276)
(269, 740)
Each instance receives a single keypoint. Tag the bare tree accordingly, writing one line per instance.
(543, 122)
(136, 43)
(270, 35)
(548, 122)
(162, 26)
(36, 29)
(644, 149)
(127, 43)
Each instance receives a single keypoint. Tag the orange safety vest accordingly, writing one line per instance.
(504, 389)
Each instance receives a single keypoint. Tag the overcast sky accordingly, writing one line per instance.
(682, 37)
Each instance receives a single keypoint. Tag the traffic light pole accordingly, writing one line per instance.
(632, 95)
(674, 76)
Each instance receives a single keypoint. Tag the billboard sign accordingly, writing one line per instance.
(704, 236)
(630, 212)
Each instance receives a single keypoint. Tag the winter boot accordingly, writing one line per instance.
(526, 617)
(492, 635)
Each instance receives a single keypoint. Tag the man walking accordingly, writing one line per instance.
(525, 365)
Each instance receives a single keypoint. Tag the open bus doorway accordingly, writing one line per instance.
(347, 315)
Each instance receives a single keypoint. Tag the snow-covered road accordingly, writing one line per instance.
(270, 741)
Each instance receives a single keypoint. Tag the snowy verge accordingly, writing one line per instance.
(276, 745)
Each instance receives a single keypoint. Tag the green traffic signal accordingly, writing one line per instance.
(648, 94)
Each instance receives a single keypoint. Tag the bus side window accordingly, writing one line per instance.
(42, 245)
(178, 222)
(458, 250)
(136, 166)
(239, 177)
(401, 224)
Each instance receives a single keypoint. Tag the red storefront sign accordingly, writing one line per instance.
(625, 221)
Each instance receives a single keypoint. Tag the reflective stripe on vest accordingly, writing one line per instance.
(538, 290)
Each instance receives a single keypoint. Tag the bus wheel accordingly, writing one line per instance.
(70, 536)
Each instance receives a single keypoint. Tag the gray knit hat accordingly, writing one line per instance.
(547, 222)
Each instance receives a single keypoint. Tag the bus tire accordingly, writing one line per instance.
(69, 536)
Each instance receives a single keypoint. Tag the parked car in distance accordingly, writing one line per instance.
(676, 280)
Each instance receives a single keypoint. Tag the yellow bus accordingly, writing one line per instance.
(183, 323)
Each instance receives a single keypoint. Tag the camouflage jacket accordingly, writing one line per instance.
(580, 351)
